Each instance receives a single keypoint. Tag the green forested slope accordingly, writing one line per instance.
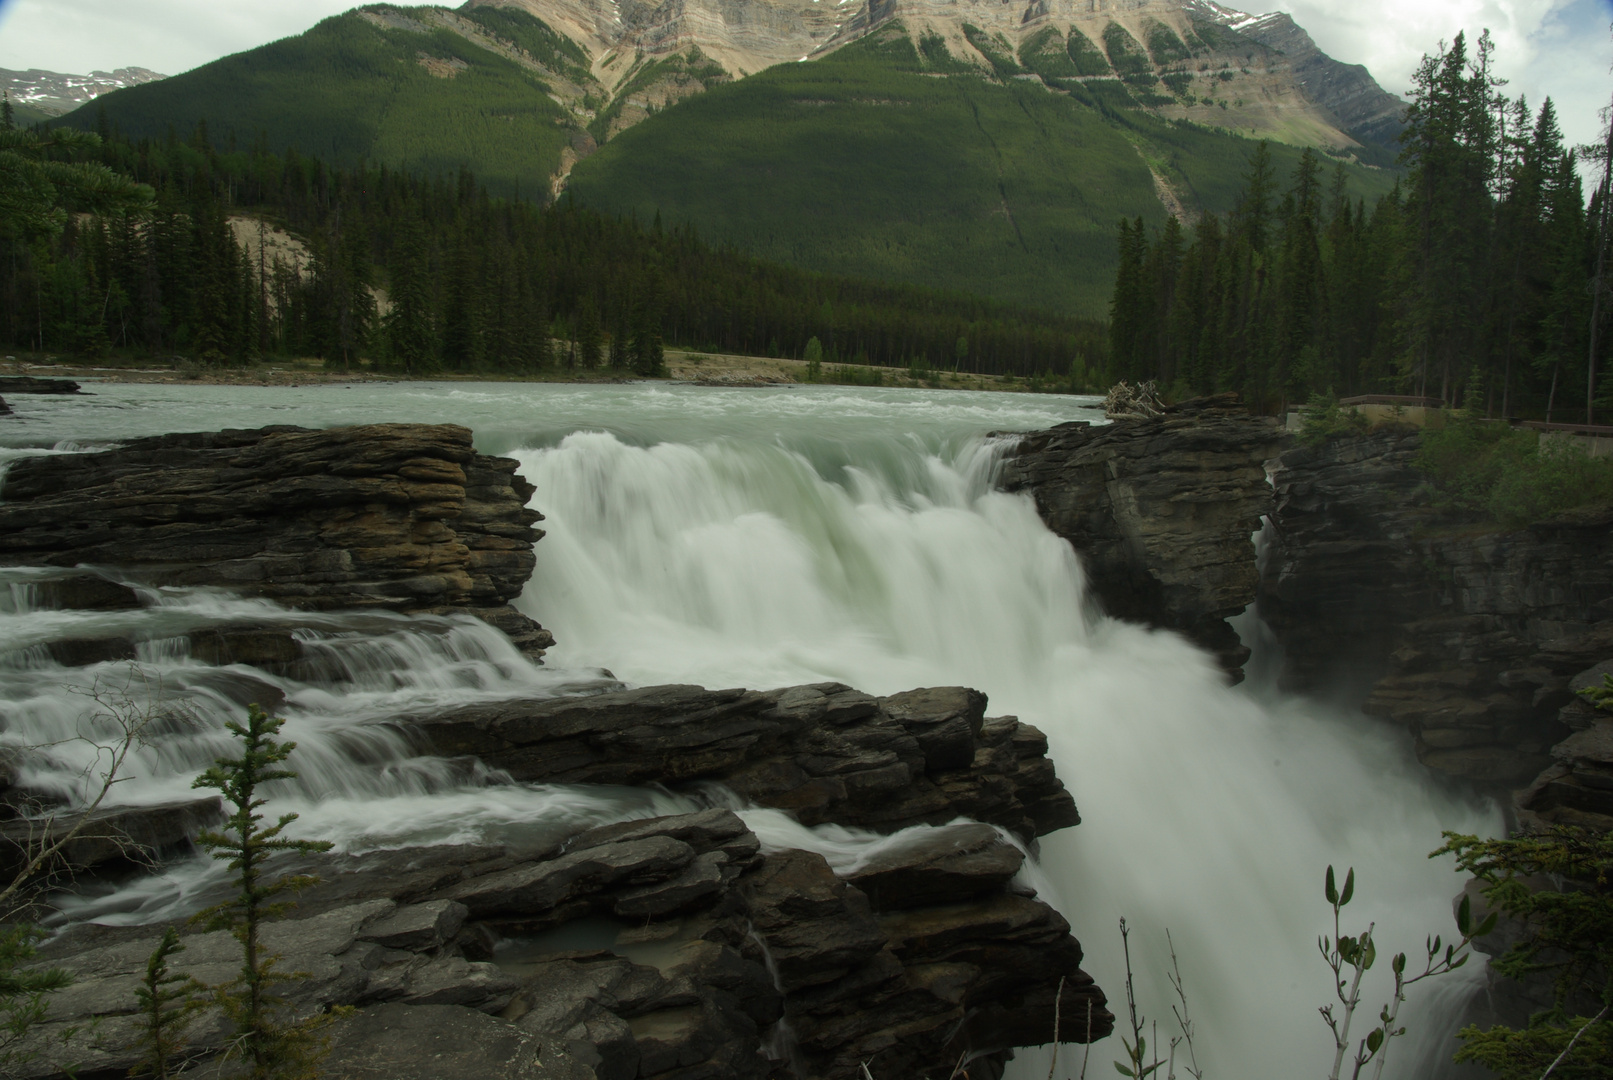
(870, 162)
(349, 90)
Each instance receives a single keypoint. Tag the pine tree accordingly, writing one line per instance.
(272, 1046)
(166, 1000)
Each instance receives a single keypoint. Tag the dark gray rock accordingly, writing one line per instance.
(272, 650)
(441, 1042)
(85, 592)
(418, 927)
(823, 752)
(1161, 510)
(535, 890)
(31, 384)
(132, 835)
(401, 516)
(84, 652)
(1461, 631)
(951, 865)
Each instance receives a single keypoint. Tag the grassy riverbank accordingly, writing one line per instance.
(708, 369)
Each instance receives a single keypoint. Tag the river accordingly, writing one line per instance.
(770, 537)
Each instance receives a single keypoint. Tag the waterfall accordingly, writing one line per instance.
(1208, 811)
(766, 538)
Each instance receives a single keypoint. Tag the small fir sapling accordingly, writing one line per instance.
(272, 1046)
(167, 1000)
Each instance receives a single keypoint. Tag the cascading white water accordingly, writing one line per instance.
(1206, 811)
(744, 538)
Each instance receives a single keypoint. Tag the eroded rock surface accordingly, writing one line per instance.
(407, 517)
(824, 752)
(718, 960)
(1465, 633)
(1162, 511)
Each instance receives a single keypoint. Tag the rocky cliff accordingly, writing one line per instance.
(1162, 511)
(401, 516)
(672, 947)
(1467, 634)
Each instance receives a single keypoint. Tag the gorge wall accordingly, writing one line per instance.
(1471, 636)
(1162, 510)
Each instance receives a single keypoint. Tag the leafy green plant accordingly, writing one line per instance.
(1350, 957)
(1559, 885)
(1510, 473)
(272, 1045)
(1600, 696)
(167, 1000)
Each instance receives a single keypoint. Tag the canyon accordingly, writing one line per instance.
(1469, 639)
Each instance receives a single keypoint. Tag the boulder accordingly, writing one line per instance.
(945, 866)
(85, 592)
(126, 835)
(1161, 510)
(401, 516)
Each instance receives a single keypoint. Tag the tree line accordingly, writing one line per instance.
(418, 275)
(1479, 278)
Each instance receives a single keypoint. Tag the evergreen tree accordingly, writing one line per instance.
(272, 1046)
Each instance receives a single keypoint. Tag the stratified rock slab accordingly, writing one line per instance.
(698, 987)
(1162, 510)
(825, 752)
(402, 516)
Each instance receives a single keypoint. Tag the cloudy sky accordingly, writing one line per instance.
(1556, 47)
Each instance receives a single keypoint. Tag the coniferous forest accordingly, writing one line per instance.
(1472, 282)
(420, 275)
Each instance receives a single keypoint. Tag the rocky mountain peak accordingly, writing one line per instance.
(54, 93)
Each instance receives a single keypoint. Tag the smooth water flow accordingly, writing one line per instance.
(762, 538)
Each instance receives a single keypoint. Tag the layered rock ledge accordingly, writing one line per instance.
(1467, 634)
(824, 752)
(1162, 509)
(407, 517)
(668, 947)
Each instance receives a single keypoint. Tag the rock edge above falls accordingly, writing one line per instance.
(407, 517)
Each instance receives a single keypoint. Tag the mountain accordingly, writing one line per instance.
(1346, 93)
(975, 145)
(37, 94)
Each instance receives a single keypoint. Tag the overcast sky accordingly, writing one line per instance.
(1556, 47)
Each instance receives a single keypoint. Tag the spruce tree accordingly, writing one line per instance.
(272, 1044)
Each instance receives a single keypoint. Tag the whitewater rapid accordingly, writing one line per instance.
(1208, 811)
(760, 539)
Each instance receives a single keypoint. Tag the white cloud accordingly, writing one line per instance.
(1556, 48)
(170, 36)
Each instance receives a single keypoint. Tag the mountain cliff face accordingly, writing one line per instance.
(969, 145)
(1348, 92)
(1260, 75)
